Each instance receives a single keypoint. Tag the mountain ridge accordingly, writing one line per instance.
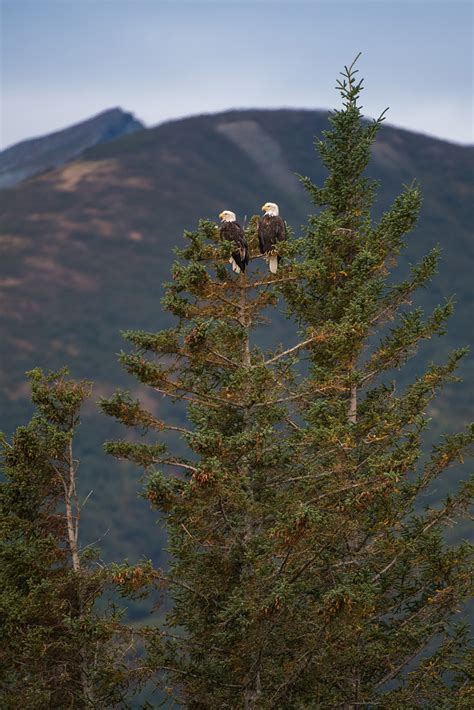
(35, 155)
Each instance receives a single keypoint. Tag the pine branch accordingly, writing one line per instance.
(289, 351)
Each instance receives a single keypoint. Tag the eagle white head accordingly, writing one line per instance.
(271, 209)
(227, 216)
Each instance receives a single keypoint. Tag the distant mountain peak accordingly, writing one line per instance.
(36, 155)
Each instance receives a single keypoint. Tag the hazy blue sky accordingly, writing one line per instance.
(65, 60)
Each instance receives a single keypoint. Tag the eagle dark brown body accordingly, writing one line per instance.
(271, 230)
(233, 232)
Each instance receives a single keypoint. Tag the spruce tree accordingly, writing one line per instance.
(303, 573)
(59, 649)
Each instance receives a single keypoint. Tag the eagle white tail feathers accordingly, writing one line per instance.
(273, 263)
(235, 267)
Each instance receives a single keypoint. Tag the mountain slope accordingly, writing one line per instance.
(33, 156)
(86, 247)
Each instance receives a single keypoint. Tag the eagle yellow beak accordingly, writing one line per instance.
(220, 216)
(264, 206)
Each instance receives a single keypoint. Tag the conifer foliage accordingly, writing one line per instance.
(57, 649)
(303, 572)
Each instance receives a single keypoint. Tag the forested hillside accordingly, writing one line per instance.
(86, 247)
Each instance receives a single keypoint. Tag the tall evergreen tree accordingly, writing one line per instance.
(58, 649)
(302, 575)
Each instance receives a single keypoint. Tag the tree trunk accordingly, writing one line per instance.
(252, 694)
(352, 414)
(72, 520)
(253, 690)
(352, 410)
(72, 517)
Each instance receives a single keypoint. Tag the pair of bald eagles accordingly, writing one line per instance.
(271, 230)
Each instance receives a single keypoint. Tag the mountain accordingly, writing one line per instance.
(85, 249)
(34, 156)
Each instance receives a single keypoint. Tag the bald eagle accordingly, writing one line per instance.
(231, 231)
(271, 230)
